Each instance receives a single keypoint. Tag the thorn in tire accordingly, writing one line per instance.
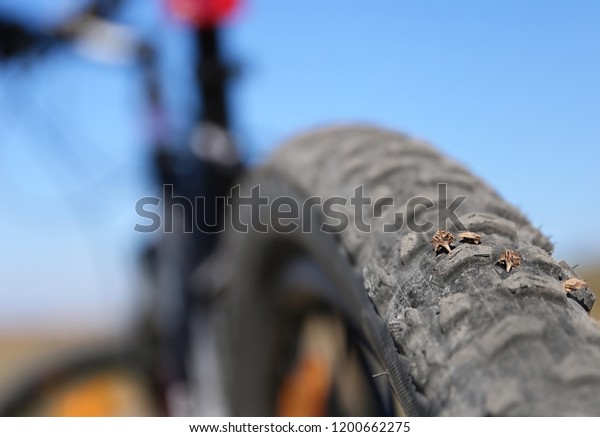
(442, 239)
(470, 237)
(509, 259)
(574, 284)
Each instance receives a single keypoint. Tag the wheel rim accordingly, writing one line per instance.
(325, 367)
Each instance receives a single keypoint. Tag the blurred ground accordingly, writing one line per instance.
(21, 352)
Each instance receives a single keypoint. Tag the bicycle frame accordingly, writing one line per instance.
(214, 172)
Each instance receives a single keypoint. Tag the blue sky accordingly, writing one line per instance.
(509, 88)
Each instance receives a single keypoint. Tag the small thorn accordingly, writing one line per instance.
(574, 284)
(510, 259)
(442, 239)
(470, 237)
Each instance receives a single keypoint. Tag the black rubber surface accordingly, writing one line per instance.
(254, 314)
(478, 340)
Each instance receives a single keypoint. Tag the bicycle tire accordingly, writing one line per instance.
(469, 337)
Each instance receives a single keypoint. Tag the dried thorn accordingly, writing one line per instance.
(574, 284)
(470, 237)
(442, 239)
(377, 375)
(510, 259)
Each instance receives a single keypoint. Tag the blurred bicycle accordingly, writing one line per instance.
(304, 321)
